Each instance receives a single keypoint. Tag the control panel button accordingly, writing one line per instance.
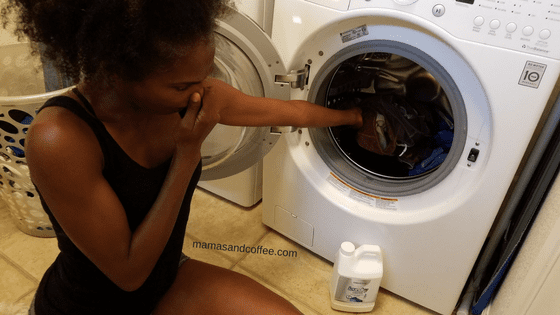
(544, 34)
(511, 27)
(478, 21)
(528, 30)
(494, 24)
(438, 10)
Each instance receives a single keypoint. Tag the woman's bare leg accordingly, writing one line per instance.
(201, 288)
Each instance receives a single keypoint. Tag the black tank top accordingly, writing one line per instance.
(73, 284)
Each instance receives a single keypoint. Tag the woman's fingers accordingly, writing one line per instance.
(192, 110)
(197, 123)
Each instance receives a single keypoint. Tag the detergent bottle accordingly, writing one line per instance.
(356, 277)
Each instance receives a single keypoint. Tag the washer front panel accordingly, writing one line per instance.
(436, 231)
(526, 26)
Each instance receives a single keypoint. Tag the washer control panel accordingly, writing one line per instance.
(530, 26)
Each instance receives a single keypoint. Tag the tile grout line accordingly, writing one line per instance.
(32, 291)
(247, 254)
(25, 273)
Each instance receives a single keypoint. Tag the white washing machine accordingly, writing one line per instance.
(239, 62)
(472, 78)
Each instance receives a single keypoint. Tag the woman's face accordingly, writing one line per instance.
(167, 90)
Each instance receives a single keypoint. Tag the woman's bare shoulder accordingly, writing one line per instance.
(58, 136)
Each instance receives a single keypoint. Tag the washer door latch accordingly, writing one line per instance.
(296, 78)
(473, 155)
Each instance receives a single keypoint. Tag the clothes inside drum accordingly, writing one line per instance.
(408, 121)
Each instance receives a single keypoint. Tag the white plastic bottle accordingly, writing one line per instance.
(356, 277)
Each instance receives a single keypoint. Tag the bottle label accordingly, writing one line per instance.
(355, 290)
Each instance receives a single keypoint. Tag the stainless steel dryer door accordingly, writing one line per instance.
(247, 60)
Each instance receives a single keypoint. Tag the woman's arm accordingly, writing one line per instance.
(66, 165)
(239, 109)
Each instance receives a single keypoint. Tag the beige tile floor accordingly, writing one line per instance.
(303, 280)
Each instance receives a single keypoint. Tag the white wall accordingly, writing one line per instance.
(258, 10)
(6, 36)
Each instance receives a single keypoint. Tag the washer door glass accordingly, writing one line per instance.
(415, 122)
(232, 66)
(408, 121)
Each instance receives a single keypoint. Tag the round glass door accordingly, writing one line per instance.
(408, 121)
(415, 121)
(232, 66)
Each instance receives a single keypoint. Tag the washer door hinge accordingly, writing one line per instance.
(296, 78)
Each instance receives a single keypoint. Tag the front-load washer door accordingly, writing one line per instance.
(423, 117)
(247, 60)
(414, 114)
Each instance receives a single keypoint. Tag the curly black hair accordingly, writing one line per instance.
(129, 38)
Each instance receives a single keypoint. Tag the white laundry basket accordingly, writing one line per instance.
(22, 92)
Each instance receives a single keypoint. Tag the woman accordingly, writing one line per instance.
(116, 162)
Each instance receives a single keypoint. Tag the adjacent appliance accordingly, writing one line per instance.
(456, 90)
(241, 60)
